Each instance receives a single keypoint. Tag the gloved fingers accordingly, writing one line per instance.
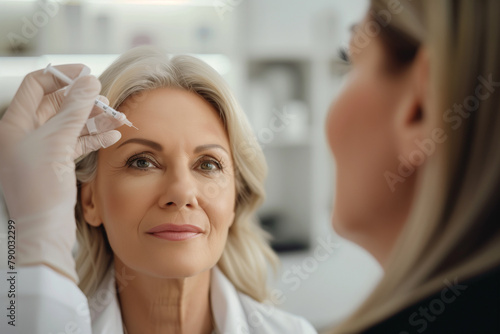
(22, 110)
(52, 102)
(87, 144)
(100, 123)
(75, 109)
(49, 106)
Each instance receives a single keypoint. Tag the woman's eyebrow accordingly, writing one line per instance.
(209, 146)
(154, 145)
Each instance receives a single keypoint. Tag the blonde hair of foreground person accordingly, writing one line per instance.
(453, 229)
(246, 254)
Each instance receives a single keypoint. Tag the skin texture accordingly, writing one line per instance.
(376, 118)
(183, 182)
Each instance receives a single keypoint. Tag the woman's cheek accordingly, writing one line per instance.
(340, 118)
(217, 198)
(126, 198)
(350, 129)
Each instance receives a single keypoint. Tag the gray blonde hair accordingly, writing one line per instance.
(247, 254)
(453, 230)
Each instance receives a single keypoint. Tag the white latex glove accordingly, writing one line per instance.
(40, 136)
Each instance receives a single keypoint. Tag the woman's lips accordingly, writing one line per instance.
(175, 232)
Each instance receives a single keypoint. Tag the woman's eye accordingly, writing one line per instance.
(141, 163)
(210, 165)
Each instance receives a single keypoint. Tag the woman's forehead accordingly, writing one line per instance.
(173, 115)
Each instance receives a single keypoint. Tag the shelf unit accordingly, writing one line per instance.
(299, 185)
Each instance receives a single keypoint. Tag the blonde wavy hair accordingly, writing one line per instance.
(247, 253)
(453, 230)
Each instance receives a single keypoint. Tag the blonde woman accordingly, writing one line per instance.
(167, 238)
(416, 136)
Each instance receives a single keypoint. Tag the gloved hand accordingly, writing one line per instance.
(41, 134)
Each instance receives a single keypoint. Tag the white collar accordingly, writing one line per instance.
(229, 315)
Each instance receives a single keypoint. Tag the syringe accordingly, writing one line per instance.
(107, 109)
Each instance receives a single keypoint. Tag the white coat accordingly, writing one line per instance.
(49, 303)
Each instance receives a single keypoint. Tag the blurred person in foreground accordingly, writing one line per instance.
(415, 134)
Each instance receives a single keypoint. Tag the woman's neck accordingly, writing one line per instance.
(156, 305)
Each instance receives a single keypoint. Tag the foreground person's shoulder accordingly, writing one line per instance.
(468, 306)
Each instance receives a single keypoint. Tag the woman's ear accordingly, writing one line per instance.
(89, 205)
(412, 119)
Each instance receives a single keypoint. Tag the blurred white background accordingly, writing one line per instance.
(280, 57)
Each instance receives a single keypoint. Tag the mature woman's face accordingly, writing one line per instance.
(174, 176)
(364, 128)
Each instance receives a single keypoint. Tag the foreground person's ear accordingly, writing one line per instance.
(413, 124)
(89, 207)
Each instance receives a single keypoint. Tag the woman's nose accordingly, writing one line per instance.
(179, 190)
